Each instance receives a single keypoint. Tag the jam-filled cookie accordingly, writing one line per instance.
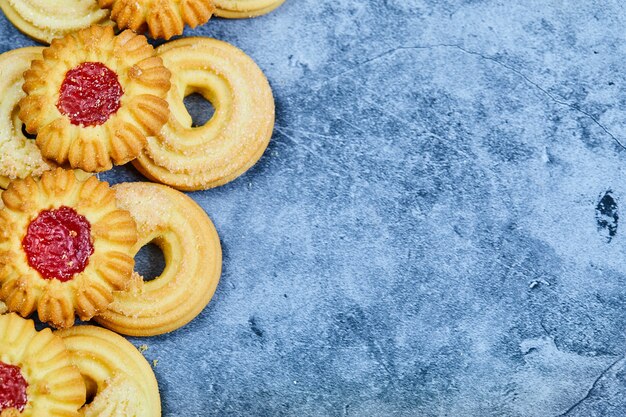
(240, 9)
(19, 156)
(95, 97)
(161, 18)
(193, 262)
(120, 382)
(37, 377)
(65, 246)
(45, 20)
(194, 158)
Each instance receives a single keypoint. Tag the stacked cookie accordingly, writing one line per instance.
(91, 100)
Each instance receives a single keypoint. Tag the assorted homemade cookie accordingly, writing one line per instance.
(191, 157)
(37, 374)
(65, 246)
(19, 156)
(193, 262)
(45, 20)
(119, 380)
(160, 18)
(241, 9)
(91, 100)
(94, 97)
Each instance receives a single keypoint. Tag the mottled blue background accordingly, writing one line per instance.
(425, 234)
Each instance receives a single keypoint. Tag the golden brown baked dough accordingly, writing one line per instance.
(119, 379)
(19, 156)
(55, 387)
(161, 18)
(117, 136)
(240, 9)
(85, 292)
(193, 262)
(194, 158)
(45, 20)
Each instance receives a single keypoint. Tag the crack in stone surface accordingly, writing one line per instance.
(526, 79)
(593, 387)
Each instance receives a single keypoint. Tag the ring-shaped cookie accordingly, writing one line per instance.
(95, 97)
(44, 20)
(241, 9)
(65, 246)
(40, 361)
(120, 382)
(19, 156)
(195, 158)
(161, 18)
(193, 262)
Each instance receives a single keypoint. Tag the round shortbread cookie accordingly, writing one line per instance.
(195, 158)
(19, 156)
(65, 246)
(95, 97)
(160, 18)
(120, 382)
(44, 20)
(241, 9)
(193, 262)
(37, 377)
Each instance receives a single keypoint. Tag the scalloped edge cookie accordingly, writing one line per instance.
(87, 293)
(142, 112)
(55, 387)
(160, 18)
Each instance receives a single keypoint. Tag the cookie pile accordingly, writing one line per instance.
(91, 100)
(45, 20)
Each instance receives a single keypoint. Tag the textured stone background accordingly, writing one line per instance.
(429, 232)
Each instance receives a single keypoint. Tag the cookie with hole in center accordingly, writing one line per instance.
(193, 262)
(160, 18)
(191, 157)
(37, 377)
(19, 156)
(95, 97)
(44, 20)
(242, 9)
(120, 382)
(65, 246)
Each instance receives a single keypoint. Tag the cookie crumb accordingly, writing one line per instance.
(155, 362)
(143, 348)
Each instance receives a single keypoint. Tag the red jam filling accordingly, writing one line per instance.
(58, 243)
(90, 94)
(12, 388)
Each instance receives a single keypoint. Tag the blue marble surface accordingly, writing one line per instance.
(434, 229)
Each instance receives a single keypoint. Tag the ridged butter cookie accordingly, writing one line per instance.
(160, 18)
(120, 382)
(241, 9)
(95, 97)
(193, 262)
(65, 246)
(37, 377)
(45, 20)
(19, 156)
(194, 158)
